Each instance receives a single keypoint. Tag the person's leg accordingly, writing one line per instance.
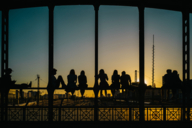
(168, 91)
(21, 93)
(174, 93)
(113, 92)
(72, 91)
(101, 93)
(82, 92)
(105, 93)
(60, 79)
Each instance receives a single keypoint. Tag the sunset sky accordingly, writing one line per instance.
(74, 42)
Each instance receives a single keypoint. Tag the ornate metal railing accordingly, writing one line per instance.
(161, 111)
(87, 114)
(99, 113)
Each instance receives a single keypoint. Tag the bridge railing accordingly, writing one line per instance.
(155, 110)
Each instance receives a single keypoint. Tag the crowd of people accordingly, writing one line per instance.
(124, 80)
(171, 81)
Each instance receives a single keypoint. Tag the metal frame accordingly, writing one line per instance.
(141, 7)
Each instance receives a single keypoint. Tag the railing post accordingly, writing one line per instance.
(50, 92)
(164, 113)
(186, 61)
(141, 61)
(24, 113)
(96, 90)
(130, 114)
(4, 61)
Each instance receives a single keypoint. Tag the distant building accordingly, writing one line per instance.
(32, 94)
(55, 96)
(11, 96)
(45, 96)
(61, 95)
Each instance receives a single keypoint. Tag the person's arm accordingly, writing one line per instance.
(129, 80)
(85, 79)
(75, 78)
(106, 77)
(79, 79)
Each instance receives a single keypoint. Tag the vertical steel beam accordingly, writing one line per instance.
(186, 62)
(4, 61)
(141, 61)
(50, 93)
(96, 90)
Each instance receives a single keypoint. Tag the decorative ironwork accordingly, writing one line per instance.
(190, 114)
(0, 114)
(154, 114)
(15, 114)
(86, 114)
(33, 114)
(105, 114)
(45, 114)
(121, 114)
(56, 114)
(173, 114)
(135, 115)
(68, 114)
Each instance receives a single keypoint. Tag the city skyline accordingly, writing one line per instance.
(74, 42)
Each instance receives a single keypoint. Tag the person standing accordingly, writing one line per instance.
(125, 82)
(167, 83)
(176, 84)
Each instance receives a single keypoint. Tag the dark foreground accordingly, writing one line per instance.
(108, 124)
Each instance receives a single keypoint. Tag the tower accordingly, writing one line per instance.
(153, 48)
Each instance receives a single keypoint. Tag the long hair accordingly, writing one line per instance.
(101, 71)
(72, 72)
(115, 72)
(82, 72)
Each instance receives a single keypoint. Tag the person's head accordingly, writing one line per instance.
(72, 72)
(101, 71)
(175, 72)
(123, 72)
(115, 72)
(82, 72)
(168, 71)
(8, 71)
(54, 71)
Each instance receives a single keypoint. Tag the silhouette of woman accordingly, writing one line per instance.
(103, 83)
(82, 79)
(115, 82)
(72, 80)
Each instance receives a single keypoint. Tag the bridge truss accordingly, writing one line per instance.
(182, 6)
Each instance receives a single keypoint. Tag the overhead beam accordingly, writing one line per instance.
(159, 4)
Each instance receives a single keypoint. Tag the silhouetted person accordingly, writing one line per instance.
(82, 79)
(9, 84)
(167, 83)
(56, 82)
(103, 83)
(176, 83)
(115, 82)
(125, 82)
(72, 80)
